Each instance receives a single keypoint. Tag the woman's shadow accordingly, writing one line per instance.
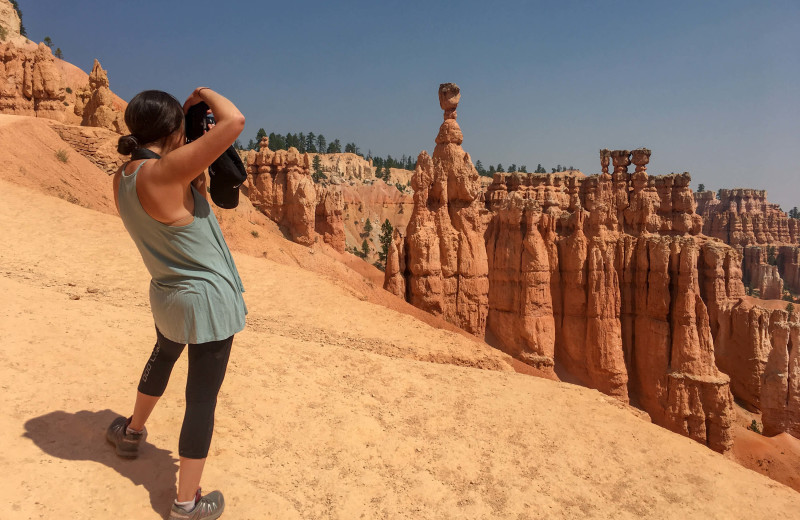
(82, 436)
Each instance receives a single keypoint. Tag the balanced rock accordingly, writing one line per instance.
(445, 264)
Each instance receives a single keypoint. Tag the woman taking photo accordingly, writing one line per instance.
(195, 291)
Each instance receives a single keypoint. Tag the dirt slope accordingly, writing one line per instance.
(314, 420)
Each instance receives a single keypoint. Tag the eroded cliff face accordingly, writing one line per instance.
(619, 279)
(30, 82)
(280, 186)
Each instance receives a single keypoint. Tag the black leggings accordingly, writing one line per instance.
(207, 365)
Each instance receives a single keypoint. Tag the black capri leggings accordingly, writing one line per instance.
(207, 365)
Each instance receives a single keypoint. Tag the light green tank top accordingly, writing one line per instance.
(196, 292)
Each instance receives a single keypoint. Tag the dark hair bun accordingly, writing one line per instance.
(127, 144)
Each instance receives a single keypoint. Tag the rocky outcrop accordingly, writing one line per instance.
(30, 82)
(95, 103)
(341, 167)
(446, 269)
(10, 22)
(742, 217)
(280, 186)
(96, 144)
(328, 221)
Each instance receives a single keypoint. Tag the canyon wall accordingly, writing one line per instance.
(606, 280)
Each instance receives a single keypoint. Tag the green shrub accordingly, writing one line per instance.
(790, 309)
(754, 427)
(62, 156)
(254, 233)
(69, 90)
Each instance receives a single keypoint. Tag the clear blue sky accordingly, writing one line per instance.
(710, 86)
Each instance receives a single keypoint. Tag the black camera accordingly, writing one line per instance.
(207, 121)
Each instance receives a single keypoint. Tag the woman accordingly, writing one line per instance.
(195, 291)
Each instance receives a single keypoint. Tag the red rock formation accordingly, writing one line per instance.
(629, 317)
(30, 82)
(95, 103)
(595, 277)
(328, 216)
(743, 217)
(281, 188)
(446, 265)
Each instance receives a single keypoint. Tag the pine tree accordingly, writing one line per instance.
(301, 143)
(364, 248)
(318, 174)
(335, 147)
(350, 148)
(260, 135)
(512, 168)
(794, 213)
(385, 240)
(701, 188)
(321, 144)
(491, 171)
(523, 169)
(540, 169)
(500, 168)
(311, 143)
(387, 174)
(479, 168)
(47, 41)
(59, 54)
(379, 172)
(368, 227)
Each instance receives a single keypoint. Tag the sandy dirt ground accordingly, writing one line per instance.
(326, 411)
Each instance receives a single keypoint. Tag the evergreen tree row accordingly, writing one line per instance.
(514, 168)
(313, 143)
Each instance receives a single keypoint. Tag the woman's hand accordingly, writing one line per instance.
(193, 99)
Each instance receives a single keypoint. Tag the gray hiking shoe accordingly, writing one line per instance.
(206, 507)
(127, 444)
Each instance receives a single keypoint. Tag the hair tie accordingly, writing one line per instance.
(135, 141)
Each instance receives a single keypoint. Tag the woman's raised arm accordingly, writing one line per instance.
(183, 164)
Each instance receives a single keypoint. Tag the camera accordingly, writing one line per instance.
(208, 120)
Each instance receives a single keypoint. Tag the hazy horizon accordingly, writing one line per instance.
(710, 88)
